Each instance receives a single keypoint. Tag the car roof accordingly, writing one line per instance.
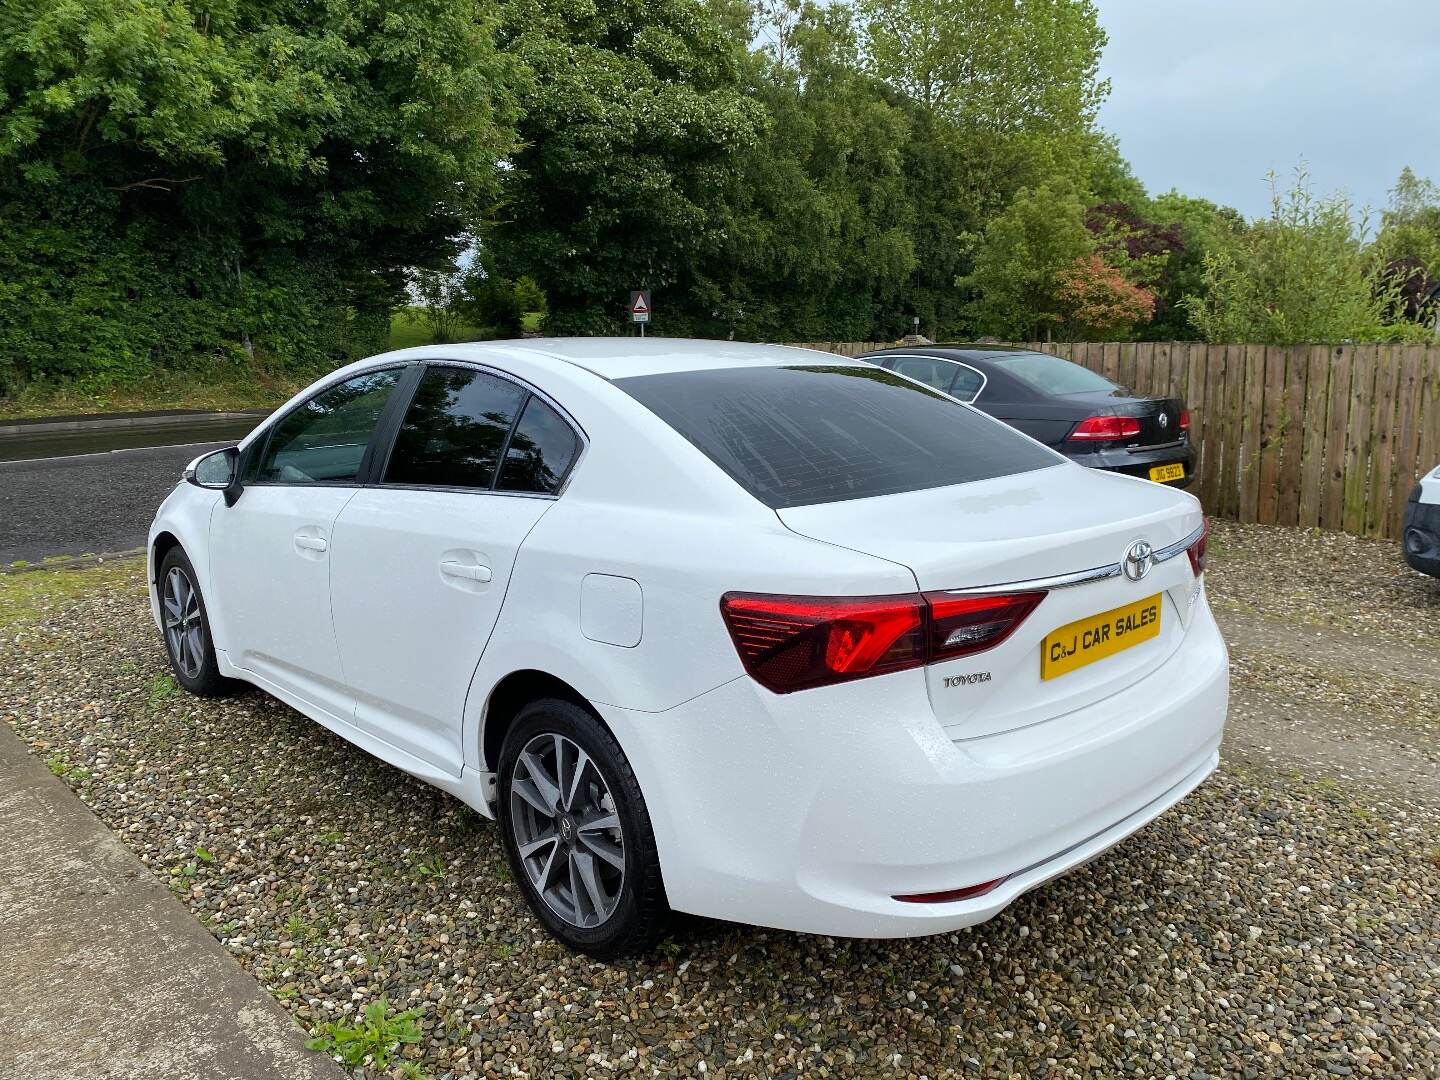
(622, 357)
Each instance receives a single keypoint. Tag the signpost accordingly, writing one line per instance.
(640, 308)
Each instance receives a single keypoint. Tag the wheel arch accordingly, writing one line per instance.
(511, 694)
(160, 546)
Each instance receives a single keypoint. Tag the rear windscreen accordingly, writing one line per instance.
(796, 436)
(1052, 375)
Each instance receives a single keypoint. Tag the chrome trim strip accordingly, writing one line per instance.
(1060, 581)
(1165, 554)
(1080, 577)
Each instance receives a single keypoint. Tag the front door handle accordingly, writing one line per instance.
(468, 571)
(311, 543)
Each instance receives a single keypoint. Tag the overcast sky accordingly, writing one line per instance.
(1209, 95)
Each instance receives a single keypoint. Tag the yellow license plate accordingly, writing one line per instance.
(1097, 636)
(1163, 473)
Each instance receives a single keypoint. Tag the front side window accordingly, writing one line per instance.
(797, 436)
(323, 441)
(455, 430)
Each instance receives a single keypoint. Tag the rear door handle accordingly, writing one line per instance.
(311, 543)
(451, 568)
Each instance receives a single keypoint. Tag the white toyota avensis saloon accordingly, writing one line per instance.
(753, 632)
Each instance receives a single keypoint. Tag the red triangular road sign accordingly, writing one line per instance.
(639, 305)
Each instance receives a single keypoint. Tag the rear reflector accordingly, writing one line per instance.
(1196, 551)
(950, 895)
(792, 643)
(1106, 428)
(1184, 419)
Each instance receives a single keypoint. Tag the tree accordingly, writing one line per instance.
(183, 175)
(992, 65)
(1098, 302)
(819, 243)
(1021, 260)
(633, 136)
(1203, 228)
(1305, 274)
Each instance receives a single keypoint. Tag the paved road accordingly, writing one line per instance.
(88, 503)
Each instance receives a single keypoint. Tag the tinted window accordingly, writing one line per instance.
(968, 382)
(1051, 375)
(931, 372)
(323, 440)
(541, 451)
(794, 436)
(455, 429)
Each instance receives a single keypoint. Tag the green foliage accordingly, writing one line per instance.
(632, 136)
(374, 1040)
(1018, 268)
(196, 184)
(495, 302)
(1305, 274)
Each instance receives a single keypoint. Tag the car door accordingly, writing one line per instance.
(422, 559)
(270, 552)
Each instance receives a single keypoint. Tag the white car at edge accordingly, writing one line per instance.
(1420, 533)
(753, 632)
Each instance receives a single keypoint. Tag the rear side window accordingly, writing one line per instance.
(540, 452)
(797, 436)
(455, 429)
(1051, 375)
(926, 369)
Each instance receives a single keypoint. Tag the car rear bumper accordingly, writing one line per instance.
(812, 811)
(1135, 462)
(1420, 535)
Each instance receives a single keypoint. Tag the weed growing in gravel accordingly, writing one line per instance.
(431, 866)
(161, 687)
(373, 1041)
(57, 764)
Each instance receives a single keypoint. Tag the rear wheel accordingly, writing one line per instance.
(187, 628)
(577, 833)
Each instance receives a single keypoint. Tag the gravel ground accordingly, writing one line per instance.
(1283, 921)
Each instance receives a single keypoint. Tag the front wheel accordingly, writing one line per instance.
(187, 628)
(577, 833)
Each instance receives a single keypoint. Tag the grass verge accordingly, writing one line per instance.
(29, 597)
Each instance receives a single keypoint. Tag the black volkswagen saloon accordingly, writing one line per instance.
(1082, 414)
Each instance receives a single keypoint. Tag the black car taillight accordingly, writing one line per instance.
(797, 642)
(1106, 429)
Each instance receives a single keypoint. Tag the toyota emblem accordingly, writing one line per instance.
(1139, 558)
(1164, 419)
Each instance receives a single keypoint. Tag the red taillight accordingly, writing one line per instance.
(1106, 428)
(950, 895)
(796, 642)
(1184, 419)
(969, 624)
(1196, 551)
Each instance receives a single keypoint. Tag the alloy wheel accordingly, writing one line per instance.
(567, 831)
(183, 630)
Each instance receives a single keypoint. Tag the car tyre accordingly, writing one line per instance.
(185, 627)
(577, 833)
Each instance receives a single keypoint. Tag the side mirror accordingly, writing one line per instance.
(218, 470)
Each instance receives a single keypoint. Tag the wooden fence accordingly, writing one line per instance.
(1332, 436)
